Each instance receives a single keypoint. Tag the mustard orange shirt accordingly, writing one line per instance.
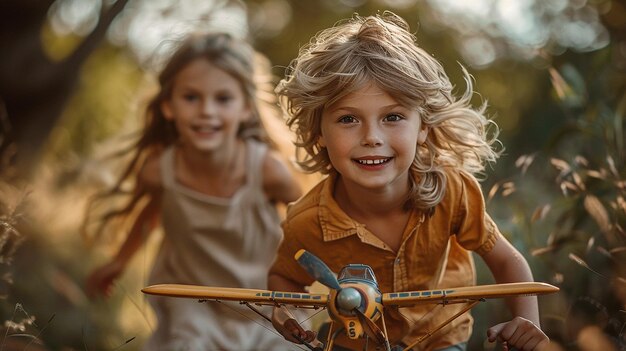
(434, 254)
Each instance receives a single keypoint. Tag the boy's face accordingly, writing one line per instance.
(207, 105)
(371, 139)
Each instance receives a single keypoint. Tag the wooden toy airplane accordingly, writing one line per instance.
(354, 301)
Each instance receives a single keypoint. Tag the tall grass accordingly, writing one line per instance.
(568, 205)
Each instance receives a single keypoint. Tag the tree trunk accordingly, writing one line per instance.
(33, 88)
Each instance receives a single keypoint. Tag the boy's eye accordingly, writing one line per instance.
(394, 117)
(347, 119)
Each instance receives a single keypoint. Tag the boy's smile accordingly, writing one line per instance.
(371, 139)
(366, 161)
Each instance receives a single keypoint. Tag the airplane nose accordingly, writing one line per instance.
(348, 299)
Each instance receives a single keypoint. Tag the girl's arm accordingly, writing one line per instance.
(278, 181)
(523, 332)
(100, 281)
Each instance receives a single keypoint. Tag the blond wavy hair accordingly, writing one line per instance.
(381, 49)
(234, 56)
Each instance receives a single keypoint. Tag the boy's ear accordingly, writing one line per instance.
(421, 136)
(166, 109)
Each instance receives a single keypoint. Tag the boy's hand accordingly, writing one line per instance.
(520, 333)
(284, 322)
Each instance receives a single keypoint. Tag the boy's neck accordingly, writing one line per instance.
(382, 212)
(358, 202)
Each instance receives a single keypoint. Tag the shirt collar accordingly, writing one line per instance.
(335, 223)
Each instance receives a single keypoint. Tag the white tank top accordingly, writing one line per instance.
(228, 242)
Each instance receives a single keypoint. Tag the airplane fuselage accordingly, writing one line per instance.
(359, 290)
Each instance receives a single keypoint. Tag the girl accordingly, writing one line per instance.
(376, 113)
(203, 169)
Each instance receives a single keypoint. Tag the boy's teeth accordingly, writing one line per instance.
(372, 162)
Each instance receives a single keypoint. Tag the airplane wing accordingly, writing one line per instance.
(237, 294)
(465, 294)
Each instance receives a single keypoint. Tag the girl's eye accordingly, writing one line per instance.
(190, 97)
(224, 98)
(393, 117)
(347, 119)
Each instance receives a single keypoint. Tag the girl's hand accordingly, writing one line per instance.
(284, 322)
(100, 281)
(520, 333)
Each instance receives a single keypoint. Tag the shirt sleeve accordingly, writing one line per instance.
(475, 230)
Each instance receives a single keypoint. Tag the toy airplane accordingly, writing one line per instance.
(354, 301)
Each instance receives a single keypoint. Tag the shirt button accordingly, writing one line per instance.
(397, 260)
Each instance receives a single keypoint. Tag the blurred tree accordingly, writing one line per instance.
(34, 88)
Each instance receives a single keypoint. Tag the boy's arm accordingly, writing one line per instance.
(282, 319)
(507, 265)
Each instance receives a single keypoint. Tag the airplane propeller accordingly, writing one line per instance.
(348, 299)
(370, 328)
(317, 269)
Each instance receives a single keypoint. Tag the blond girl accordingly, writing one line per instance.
(203, 169)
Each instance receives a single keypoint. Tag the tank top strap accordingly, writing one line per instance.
(256, 155)
(167, 167)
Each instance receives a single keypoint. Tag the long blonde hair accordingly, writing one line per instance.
(380, 49)
(234, 56)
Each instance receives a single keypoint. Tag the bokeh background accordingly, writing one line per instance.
(74, 74)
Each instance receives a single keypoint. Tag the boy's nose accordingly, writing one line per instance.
(372, 137)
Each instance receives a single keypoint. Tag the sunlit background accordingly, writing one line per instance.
(75, 73)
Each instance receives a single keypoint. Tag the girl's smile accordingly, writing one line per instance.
(207, 105)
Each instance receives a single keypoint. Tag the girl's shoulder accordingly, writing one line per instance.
(279, 182)
(149, 175)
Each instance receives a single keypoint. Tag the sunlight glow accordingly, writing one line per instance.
(148, 26)
(478, 50)
(269, 18)
(486, 30)
(156, 25)
(476, 8)
(524, 26)
(70, 16)
(517, 20)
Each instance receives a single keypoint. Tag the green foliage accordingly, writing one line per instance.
(568, 201)
(103, 105)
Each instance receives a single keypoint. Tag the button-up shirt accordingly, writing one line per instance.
(435, 253)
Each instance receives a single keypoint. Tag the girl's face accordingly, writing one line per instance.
(207, 105)
(371, 139)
